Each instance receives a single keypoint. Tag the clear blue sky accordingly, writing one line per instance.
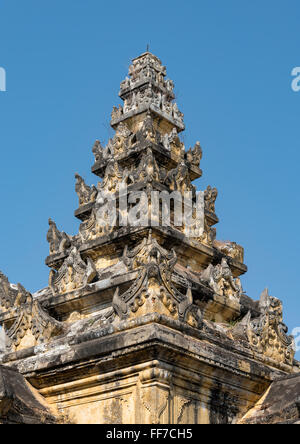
(231, 62)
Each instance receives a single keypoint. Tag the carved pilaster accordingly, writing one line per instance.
(155, 395)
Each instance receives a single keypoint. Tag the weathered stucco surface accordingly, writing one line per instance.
(140, 324)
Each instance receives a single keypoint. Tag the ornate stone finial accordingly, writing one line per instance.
(98, 151)
(73, 274)
(194, 156)
(210, 197)
(267, 334)
(30, 319)
(117, 113)
(220, 279)
(85, 193)
(7, 293)
(58, 241)
(146, 88)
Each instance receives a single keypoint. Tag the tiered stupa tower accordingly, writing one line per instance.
(141, 323)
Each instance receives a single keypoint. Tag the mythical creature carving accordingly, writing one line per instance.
(8, 293)
(153, 289)
(231, 249)
(12, 295)
(220, 279)
(194, 155)
(210, 197)
(125, 84)
(85, 193)
(166, 104)
(102, 220)
(170, 85)
(147, 130)
(178, 179)
(103, 154)
(58, 241)
(268, 334)
(173, 144)
(119, 144)
(98, 151)
(177, 114)
(121, 140)
(113, 178)
(73, 274)
(28, 314)
(117, 113)
(147, 171)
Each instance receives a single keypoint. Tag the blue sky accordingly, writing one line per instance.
(231, 62)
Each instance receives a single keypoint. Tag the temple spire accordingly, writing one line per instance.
(147, 89)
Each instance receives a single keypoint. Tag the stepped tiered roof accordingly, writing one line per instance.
(128, 298)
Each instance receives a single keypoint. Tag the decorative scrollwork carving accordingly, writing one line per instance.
(85, 193)
(58, 241)
(73, 274)
(220, 279)
(268, 334)
(154, 284)
(231, 249)
(28, 314)
(147, 171)
(179, 179)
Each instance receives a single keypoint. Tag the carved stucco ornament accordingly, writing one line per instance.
(8, 293)
(118, 145)
(267, 334)
(231, 249)
(147, 87)
(117, 112)
(155, 401)
(210, 197)
(209, 233)
(172, 143)
(194, 155)
(86, 194)
(114, 176)
(179, 179)
(98, 151)
(103, 154)
(220, 279)
(59, 241)
(73, 274)
(29, 317)
(147, 170)
(147, 132)
(103, 219)
(122, 139)
(153, 289)
(155, 389)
